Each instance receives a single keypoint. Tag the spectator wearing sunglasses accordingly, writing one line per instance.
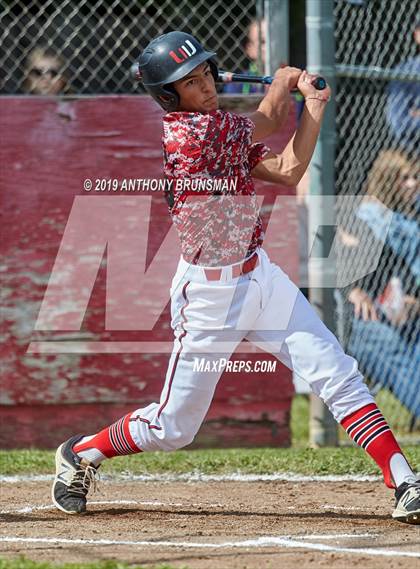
(44, 73)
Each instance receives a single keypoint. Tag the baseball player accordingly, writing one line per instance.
(225, 288)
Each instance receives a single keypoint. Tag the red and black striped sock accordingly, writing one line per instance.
(114, 440)
(368, 428)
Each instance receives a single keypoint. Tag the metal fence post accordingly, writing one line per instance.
(320, 60)
(277, 47)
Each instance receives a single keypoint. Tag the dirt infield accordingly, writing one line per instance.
(215, 524)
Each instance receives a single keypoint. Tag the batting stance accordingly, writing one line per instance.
(225, 288)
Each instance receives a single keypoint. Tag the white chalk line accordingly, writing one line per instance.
(200, 477)
(265, 541)
(268, 541)
(345, 508)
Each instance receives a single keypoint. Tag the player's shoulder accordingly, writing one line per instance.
(227, 124)
(194, 119)
(184, 121)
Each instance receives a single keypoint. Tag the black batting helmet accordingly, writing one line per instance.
(168, 58)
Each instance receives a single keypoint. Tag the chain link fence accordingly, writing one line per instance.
(378, 126)
(93, 44)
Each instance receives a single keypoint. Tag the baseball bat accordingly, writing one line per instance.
(227, 77)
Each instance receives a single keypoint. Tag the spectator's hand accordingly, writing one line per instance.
(363, 304)
(289, 75)
(308, 90)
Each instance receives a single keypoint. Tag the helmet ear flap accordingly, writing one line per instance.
(168, 99)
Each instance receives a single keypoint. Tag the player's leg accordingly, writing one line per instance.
(306, 345)
(204, 321)
(174, 420)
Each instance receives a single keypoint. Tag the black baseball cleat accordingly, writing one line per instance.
(73, 477)
(407, 503)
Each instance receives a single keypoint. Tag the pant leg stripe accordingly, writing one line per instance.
(148, 423)
(184, 333)
(184, 294)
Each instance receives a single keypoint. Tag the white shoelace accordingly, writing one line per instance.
(84, 479)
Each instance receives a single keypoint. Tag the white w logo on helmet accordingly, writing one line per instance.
(186, 50)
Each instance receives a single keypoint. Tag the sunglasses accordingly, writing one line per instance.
(37, 72)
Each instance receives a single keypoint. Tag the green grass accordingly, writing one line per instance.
(348, 460)
(299, 459)
(396, 414)
(299, 420)
(23, 563)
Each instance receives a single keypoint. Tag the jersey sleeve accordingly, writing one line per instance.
(257, 152)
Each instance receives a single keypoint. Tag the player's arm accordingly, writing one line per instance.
(288, 167)
(273, 110)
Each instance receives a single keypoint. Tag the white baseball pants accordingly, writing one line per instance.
(210, 318)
